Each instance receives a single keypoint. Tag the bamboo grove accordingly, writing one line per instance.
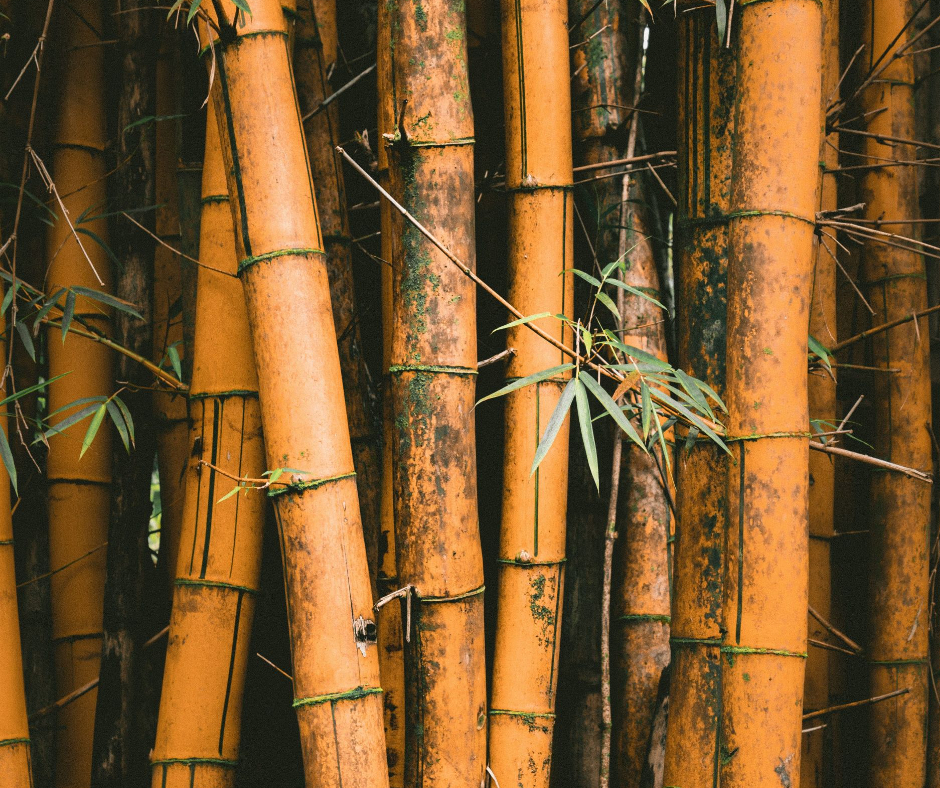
(463, 393)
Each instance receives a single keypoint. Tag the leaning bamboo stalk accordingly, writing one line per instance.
(532, 539)
(389, 617)
(15, 762)
(433, 374)
(79, 487)
(900, 507)
(822, 405)
(773, 199)
(218, 570)
(283, 270)
(315, 53)
(170, 409)
(706, 121)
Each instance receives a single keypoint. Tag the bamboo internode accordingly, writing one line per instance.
(79, 487)
(706, 122)
(532, 541)
(283, 270)
(217, 572)
(895, 283)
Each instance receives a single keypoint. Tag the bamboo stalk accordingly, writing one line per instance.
(775, 174)
(706, 120)
(171, 410)
(389, 618)
(283, 271)
(217, 576)
(78, 485)
(433, 375)
(532, 539)
(899, 506)
(815, 768)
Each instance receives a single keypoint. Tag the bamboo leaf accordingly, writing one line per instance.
(538, 377)
(522, 321)
(30, 389)
(721, 14)
(585, 276)
(554, 424)
(817, 348)
(690, 438)
(276, 474)
(612, 408)
(646, 414)
(118, 419)
(128, 419)
(110, 300)
(662, 444)
(606, 301)
(586, 338)
(243, 5)
(8, 297)
(174, 355)
(587, 431)
(67, 314)
(693, 419)
(642, 355)
(100, 241)
(74, 418)
(694, 392)
(50, 303)
(7, 456)
(193, 10)
(637, 292)
(234, 491)
(27, 338)
(93, 428)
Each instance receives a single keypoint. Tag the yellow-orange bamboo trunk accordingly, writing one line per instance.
(217, 574)
(775, 174)
(433, 373)
(389, 617)
(532, 540)
(170, 409)
(315, 56)
(282, 266)
(15, 766)
(900, 506)
(814, 772)
(706, 110)
(78, 488)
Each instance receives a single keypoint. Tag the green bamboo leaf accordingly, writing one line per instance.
(662, 444)
(52, 301)
(538, 377)
(193, 10)
(100, 241)
(690, 437)
(609, 268)
(7, 456)
(115, 413)
(26, 338)
(818, 349)
(243, 5)
(637, 292)
(646, 413)
(276, 474)
(641, 355)
(612, 408)
(286, 470)
(110, 300)
(31, 389)
(174, 355)
(93, 428)
(710, 392)
(692, 418)
(522, 321)
(587, 431)
(606, 301)
(8, 297)
(721, 14)
(128, 419)
(585, 276)
(68, 421)
(554, 424)
(67, 314)
(83, 401)
(694, 392)
(586, 338)
(234, 491)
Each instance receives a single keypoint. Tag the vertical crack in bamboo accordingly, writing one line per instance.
(532, 540)
(283, 270)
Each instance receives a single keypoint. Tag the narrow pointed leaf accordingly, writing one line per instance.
(637, 292)
(587, 431)
(522, 321)
(110, 300)
(606, 301)
(93, 428)
(554, 424)
(647, 411)
(612, 408)
(115, 413)
(538, 377)
(128, 419)
(26, 337)
(67, 314)
(7, 456)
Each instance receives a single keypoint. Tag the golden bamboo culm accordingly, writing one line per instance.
(532, 539)
(218, 569)
(706, 122)
(814, 772)
(774, 185)
(282, 266)
(79, 486)
(895, 285)
(389, 618)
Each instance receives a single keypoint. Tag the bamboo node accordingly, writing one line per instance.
(333, 697)
(13, 742)
(185, 581)
(225, 764)
(248, 262)
(311, 484)
(646, 617)
(397, 369)
(760, 436)
(774, 652)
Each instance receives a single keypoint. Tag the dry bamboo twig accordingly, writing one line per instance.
(854, 704)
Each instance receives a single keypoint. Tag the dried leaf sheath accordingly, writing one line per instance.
(433, 376)
(79, 489)
(775, 173)
(532, 541)
(217, 574)
(283, 270)
(706, 107)
(895, 285)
